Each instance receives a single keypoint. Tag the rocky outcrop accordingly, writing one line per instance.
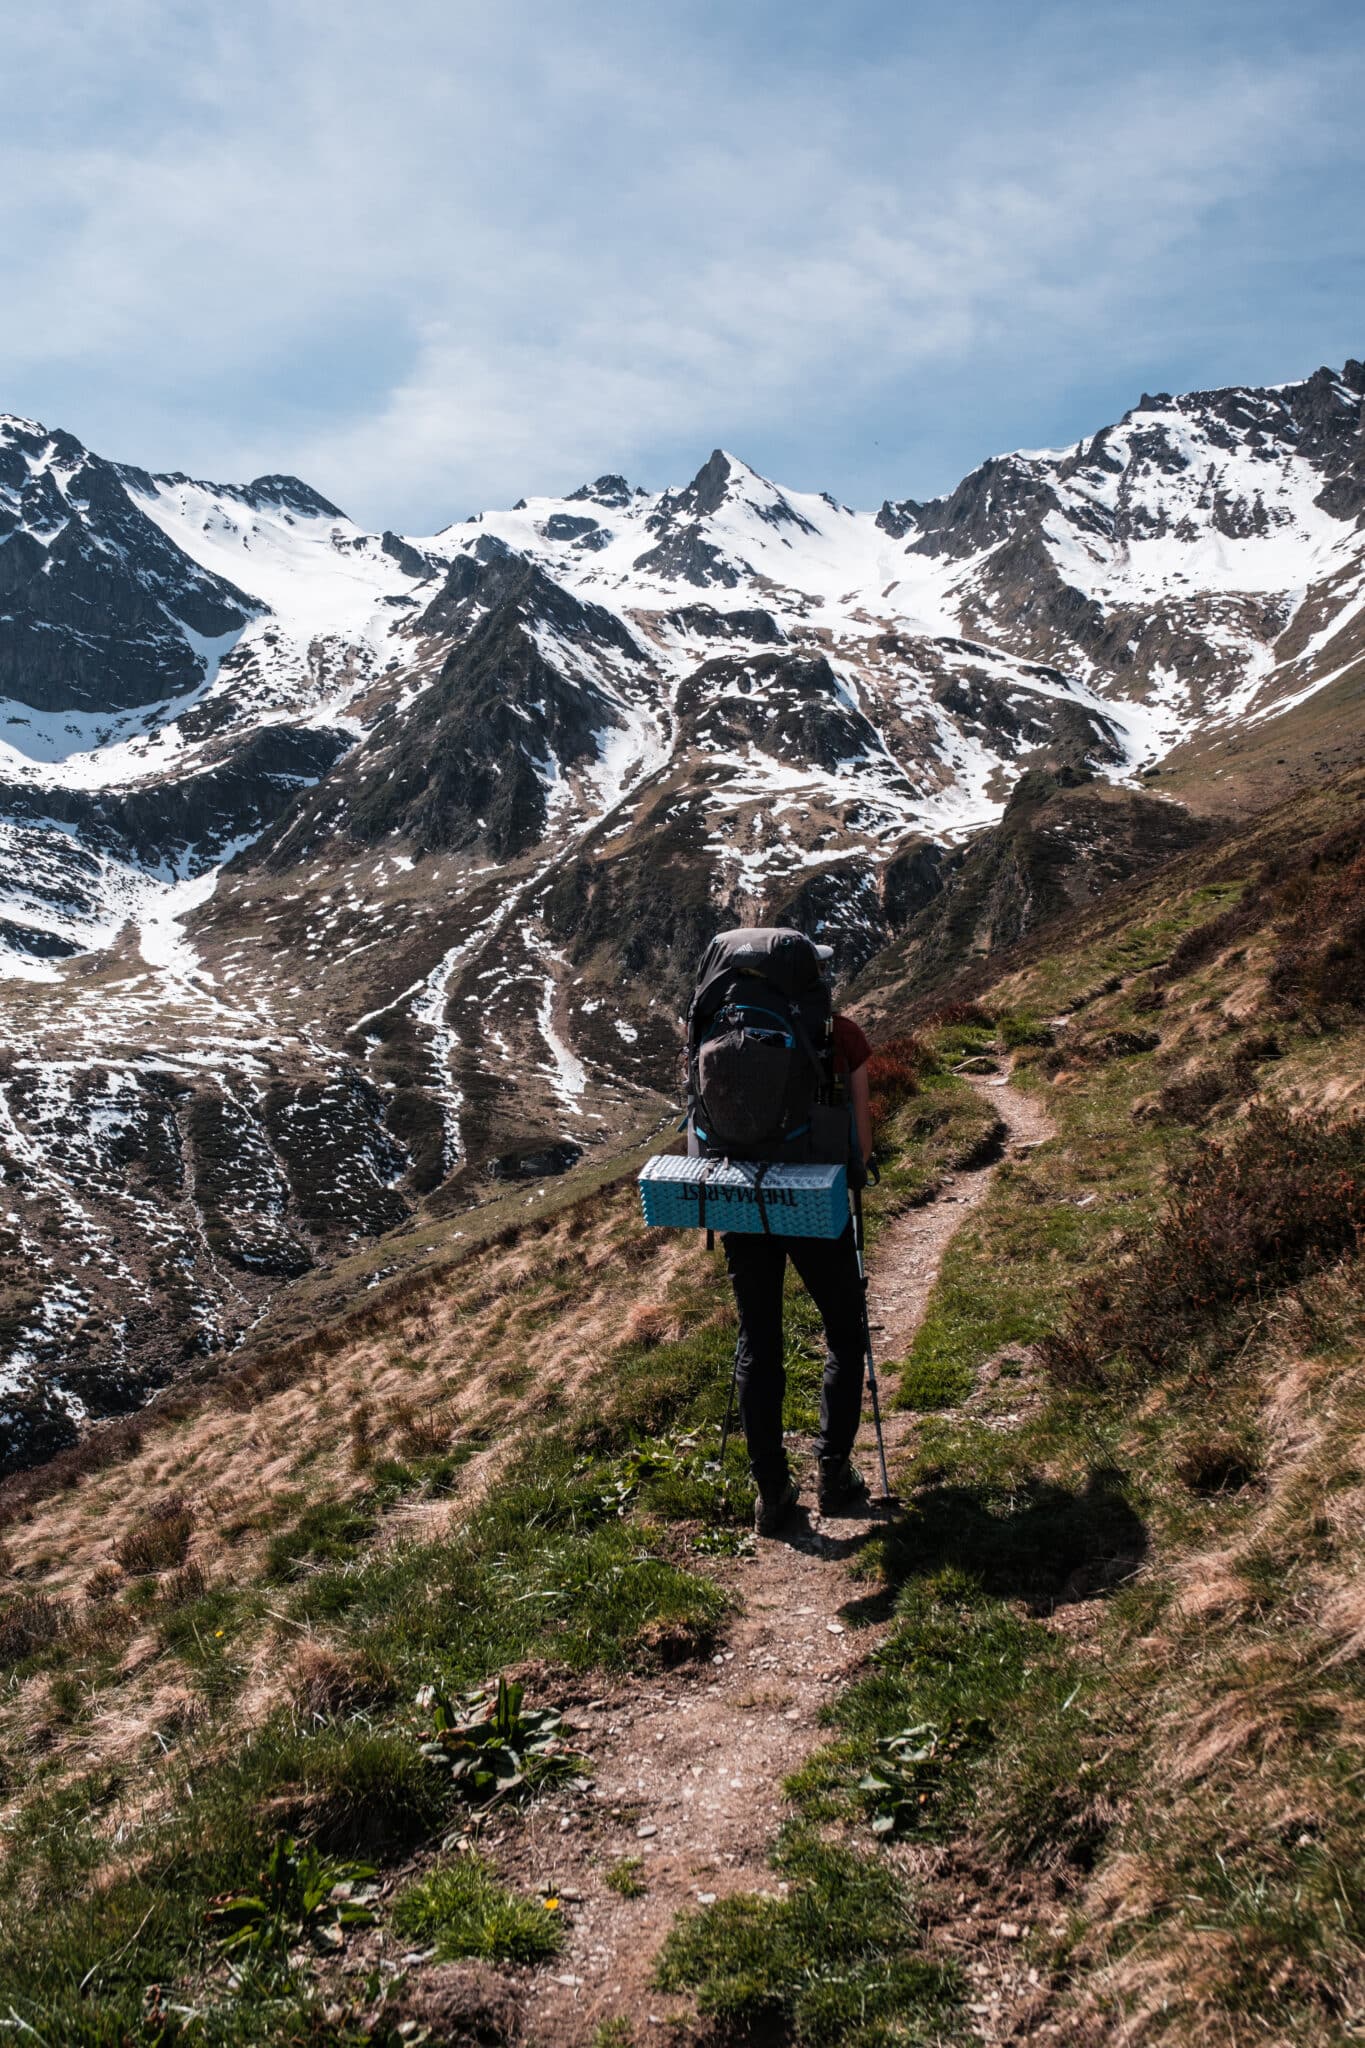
(1062, 842)
(94, 600)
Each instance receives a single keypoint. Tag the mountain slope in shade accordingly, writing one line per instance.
(342, 873)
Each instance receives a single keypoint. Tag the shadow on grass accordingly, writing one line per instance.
(1044, 1544)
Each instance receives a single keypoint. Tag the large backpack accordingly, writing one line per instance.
(760, 1081)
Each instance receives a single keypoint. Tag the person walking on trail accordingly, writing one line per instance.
(748, 977)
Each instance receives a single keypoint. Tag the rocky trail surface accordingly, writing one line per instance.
(688, 1769)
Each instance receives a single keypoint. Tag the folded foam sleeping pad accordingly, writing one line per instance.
(740, 1194)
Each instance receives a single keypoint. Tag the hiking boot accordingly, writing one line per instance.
(843, 1490)
(772, 1509)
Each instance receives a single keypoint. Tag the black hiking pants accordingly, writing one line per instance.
(829, 1268)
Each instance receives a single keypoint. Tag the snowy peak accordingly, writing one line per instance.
(1173, 557)
(613, 493)
(101, 611)
(702, 532)
(344, 870)
(263, 493)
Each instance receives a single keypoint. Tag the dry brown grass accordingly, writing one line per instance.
(1217, 1903)
(478, 1353)
(160, 1541)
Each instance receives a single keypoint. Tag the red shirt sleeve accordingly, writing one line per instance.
(851, 1049)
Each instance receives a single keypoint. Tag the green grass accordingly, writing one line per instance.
(944, 1127)
(1040, 1754)
(102, 1944)
(326, 1533)
(933, 1382)
(837, 1961)
(461, 1909)
(1007, 1272)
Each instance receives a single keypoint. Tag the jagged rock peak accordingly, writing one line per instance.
(292, 494)
(273, 493)
(612, 491)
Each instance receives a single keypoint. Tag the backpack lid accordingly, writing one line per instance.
(784, 958)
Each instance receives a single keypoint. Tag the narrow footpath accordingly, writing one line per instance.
(688, 1767)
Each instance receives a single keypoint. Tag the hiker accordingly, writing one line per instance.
(763, 999)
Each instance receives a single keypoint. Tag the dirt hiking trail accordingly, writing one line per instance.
(688, 1767)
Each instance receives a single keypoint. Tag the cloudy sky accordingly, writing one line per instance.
(433, 254)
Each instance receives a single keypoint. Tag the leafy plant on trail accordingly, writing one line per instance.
(1245, 1219)
(723, 1542)
(493, 1749)
(912, 1769)
(301, 1896)
(673, 1474)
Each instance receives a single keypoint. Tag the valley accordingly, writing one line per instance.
(350, 880)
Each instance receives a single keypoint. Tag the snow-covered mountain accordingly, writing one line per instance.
(339, 871)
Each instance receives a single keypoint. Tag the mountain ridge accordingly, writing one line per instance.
(400, 887)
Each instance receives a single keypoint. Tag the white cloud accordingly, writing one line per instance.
(435, 256)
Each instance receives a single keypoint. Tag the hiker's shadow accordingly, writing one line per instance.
(1039, 1542)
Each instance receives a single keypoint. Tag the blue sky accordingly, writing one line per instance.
(432, 255)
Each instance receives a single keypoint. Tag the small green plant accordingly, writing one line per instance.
(624, 1878)
(905, 1784)
(493, 1749)
(462, 1910)
(723, 1542)
(616, 2033)
(301, 1896)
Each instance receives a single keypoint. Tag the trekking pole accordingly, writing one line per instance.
(729, 1405)
(867, 1342)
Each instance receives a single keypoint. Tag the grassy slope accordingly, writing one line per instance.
(1145, 1592)
(1128, 1614)
(212, 1632)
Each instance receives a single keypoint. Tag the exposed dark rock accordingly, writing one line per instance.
(407, 557)
(534, 1162)
(611, 491)
(93, 589)
(839, 906)
(474, 756)
(682, 553)
(341, 1164)
(793, 706)
(38, 944)
(240, 1189)
(644, 909)
(157, 822)
(746, 623)
(564, 526)
(899, 518)
(910, 880)
(1061, 843)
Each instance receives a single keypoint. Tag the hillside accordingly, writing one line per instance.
(1067, 1746)
(348, 877)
